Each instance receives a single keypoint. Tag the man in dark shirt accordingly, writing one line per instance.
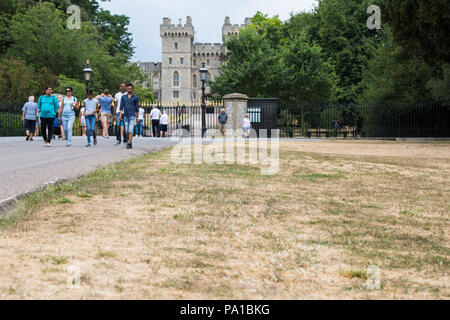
(129, 111)
(222, 121)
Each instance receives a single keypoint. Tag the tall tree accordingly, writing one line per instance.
(421, 26)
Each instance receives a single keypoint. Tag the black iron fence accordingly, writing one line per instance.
(364, 120)
(308, 120)
(184, 117)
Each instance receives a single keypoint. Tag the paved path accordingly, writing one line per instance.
(27, 166)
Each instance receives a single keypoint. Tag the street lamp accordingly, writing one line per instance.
(87, 75)
(203, 77)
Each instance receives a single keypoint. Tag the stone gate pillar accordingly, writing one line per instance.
(235, 105)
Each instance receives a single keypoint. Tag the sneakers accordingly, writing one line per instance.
(118, 143)
(47, 144)
(31, 139)
(88, 145)
(28, 138)
(129, 146)
(68, 145)
(95, 142)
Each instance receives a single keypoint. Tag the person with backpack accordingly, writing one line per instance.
(69, 105)
(48, 108)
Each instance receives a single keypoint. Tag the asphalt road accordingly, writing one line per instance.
(27, 166)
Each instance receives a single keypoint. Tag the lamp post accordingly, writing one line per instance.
(87, 75)
(203, 76)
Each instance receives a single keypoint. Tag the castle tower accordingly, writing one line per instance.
(229, 30)
(177, 43)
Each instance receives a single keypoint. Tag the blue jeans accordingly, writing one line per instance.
(129, 124)
(140, 128)
(67, 122)
(118, 125)
(90, 126)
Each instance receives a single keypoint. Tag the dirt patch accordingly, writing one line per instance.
(157, 230)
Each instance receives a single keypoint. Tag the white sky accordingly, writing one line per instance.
(207, 15)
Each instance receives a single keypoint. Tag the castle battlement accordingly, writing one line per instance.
(167, 29)
(229, 29)
(208, 49)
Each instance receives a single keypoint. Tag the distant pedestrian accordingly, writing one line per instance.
(164, 124)
(36, 131)
(155, 114)
(140, 122)
(222, 121)
(105, 103)
(58, 122)
(120, 132)
(129, 111)
(83, 122)
(246, 126)
(90, 112)
(69, 106)
(29, 117)
(48, 109)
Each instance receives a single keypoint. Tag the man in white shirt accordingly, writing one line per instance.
(119, 123)
(155, 114)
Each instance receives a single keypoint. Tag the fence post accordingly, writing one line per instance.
(236, 107)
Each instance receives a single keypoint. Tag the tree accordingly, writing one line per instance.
(395, 75)
(18, 81)
(308, 76)
(144, 94)
(421, 26)
(114, 29)
(344, 36)
(41, 39)
(253, 66)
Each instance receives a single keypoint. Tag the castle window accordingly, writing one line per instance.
(181, 60)
(207, 62)
(176, 94)
(176, 45)
(176, 79)
(170, 60)
(195, 62)
(156, 82)
(194, 81)
(195, 95)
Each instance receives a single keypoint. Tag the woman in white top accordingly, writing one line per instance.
(246, 126)
(140, 122)
(83, 121)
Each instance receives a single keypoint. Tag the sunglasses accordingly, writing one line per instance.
(68, 90)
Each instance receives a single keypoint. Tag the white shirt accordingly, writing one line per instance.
(155, 114)
(246, 123)
(118, 98)
(164, 119)
(141, 113)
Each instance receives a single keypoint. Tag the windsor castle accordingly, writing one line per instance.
(177, 79)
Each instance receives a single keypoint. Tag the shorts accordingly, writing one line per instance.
(83, 121)
(129, 124)
(105, 118)
(30, 125)
(163, 128)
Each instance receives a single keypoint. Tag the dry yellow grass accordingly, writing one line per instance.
(155, 230)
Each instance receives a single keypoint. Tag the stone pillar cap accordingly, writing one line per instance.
(236, 96)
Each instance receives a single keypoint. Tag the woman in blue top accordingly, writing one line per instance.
(90, 110)
(29, 116)
(48, 108)
(69, 105)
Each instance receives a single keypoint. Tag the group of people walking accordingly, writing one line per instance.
(60, 111)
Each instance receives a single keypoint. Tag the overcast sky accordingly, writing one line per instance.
(208, 17)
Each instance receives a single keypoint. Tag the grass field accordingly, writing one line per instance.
(150, 229)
